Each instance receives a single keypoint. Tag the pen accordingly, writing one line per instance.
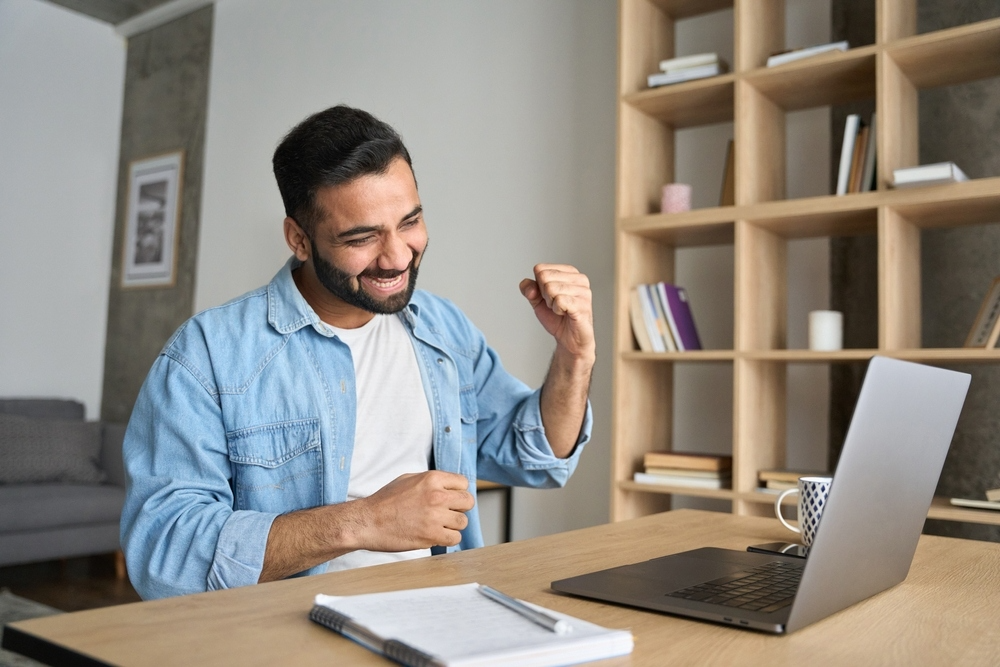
(556, 625)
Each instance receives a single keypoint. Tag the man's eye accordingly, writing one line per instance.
(410, 222)
(360, 242)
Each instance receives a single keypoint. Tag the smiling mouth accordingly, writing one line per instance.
(387, 285)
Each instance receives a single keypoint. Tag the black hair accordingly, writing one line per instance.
(331, 147)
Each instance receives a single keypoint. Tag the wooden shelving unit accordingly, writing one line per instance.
(762, 222)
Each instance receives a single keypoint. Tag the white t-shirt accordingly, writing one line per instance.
(394, 433)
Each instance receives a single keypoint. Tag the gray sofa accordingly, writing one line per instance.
(62, 485)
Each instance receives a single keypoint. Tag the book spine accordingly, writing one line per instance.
(847, 152)
(683, 320)
(638, 319)
(868, 175)
(652, 326)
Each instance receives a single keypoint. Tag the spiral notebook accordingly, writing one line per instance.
(456, 626)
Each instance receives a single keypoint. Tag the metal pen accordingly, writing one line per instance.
(547, 621)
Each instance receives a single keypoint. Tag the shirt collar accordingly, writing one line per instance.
(288, 311)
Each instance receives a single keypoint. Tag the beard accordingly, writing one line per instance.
(341, 284)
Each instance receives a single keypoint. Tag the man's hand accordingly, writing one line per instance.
(561, 298)
(416, 511)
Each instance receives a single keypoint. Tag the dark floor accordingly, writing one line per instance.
(71, 584)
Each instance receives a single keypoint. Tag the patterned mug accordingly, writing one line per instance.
(813, 492)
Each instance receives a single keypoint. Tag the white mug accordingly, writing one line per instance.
(813, 492)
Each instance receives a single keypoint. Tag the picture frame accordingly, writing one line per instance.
(149, 253)
(986, 328)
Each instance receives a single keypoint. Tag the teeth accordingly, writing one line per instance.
(386, 284)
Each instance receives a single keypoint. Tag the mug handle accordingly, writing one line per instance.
(777, 510)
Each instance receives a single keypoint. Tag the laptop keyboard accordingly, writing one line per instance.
(764, 588)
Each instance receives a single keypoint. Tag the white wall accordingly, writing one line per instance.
(508, 109)
(703, 405)
(61, 80)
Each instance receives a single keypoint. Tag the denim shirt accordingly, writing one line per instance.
(250, 410)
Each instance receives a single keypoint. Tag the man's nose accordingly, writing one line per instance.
(396, 254)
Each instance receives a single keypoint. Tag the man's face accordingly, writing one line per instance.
(366, 250)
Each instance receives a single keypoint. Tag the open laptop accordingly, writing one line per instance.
(884, 483)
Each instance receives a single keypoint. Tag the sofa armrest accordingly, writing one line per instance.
(112, 437)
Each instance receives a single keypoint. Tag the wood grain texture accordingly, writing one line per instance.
(268, 624)
(899, 281)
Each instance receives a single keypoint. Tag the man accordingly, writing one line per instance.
(337, 417)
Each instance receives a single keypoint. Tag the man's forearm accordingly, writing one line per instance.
(301, 540)
(564, 400)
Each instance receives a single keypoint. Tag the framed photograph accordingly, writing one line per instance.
(986, 328)
(152, 221)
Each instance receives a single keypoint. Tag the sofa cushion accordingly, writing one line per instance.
(49, 450)
(42, 506)
(43, 408)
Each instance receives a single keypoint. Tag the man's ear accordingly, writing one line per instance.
(297, 240)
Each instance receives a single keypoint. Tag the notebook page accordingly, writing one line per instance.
(457, 623)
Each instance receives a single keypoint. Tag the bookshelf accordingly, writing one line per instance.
(762, 222)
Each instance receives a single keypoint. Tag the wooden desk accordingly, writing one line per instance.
(944, 613)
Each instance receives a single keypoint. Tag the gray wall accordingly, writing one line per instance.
(961, 124)
(166, 95)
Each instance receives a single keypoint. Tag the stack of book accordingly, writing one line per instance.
(928, 174)
(687, 68)
(703, 471)
(808, 52)
(857, 156)
(661, 319)
(775, 481)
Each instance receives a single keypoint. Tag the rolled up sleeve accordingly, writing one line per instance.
(179, 531)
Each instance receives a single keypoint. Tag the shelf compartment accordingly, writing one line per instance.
(689, 104)
(952, 56)
(830, 78)
(663, 489)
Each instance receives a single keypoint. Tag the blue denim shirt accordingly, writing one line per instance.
(249, 412)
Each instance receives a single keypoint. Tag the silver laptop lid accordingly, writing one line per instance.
(883, 486)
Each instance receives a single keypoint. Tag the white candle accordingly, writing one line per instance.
(826, 330)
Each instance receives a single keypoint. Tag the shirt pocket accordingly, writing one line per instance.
(470, 415)
(277, 467)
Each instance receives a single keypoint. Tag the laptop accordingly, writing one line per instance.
(902, 427)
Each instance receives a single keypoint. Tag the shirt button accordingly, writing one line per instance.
(440, 360)
(447, 429)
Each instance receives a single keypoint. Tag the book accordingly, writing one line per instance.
(787, 475)
(993, 494)
(857, 161)
(928, 174)
(688, 461)
(727, 197)
(638, 320)
(649, 317)
(684, 62)
(669, 342)
(686, 74)
(868, 168)
(808, 52)
(851, 125)
(685, 472)
(977, 504)
(458, 626)
(679, 317)
(779, 485)
(986, 327)
(682, 480)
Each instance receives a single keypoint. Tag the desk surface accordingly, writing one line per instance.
(944, 613)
